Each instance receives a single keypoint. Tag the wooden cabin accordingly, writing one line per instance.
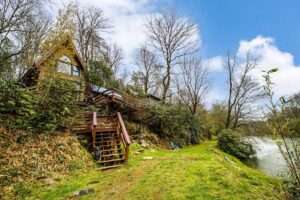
(60, 61)
(110, 140)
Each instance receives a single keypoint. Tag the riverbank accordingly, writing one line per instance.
(197, 172)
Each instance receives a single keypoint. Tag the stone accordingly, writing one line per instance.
(84, 192)
(144, 144)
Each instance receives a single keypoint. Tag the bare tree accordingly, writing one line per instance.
(22, 26)
(173, 37)
(243, 89)
(90, 23)
(193, 83)
(148, 68)
(113, 56)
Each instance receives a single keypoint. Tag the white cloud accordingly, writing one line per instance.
(287, 79)
(214, 64)
(214, 95)
(269, 56)
(127, 18)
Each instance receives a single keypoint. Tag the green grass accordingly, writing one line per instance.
(197, 172)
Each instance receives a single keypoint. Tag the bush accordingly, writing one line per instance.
(231, 142)
(175, 123)
(56, 103)
(101, 75)
(17, 104)
(291, 189)
(45, 109)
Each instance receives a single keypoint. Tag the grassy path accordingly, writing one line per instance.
(200, 172)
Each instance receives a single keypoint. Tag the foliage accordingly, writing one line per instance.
(17, 104)
(283, 121)
(5, 62)
(175, 123)
(101, 75)
(231, 142)
(45, 109)
(216, 118)
(56, 104)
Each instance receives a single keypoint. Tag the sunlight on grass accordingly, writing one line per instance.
(198, 172)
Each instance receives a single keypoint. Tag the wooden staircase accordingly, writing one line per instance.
(110, 140)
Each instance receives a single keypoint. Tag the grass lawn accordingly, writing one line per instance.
(199, 172)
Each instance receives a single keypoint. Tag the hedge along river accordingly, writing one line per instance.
(269, 158)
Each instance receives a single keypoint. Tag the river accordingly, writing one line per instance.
(269, 158)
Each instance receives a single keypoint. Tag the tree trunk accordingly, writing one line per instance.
(166, 82)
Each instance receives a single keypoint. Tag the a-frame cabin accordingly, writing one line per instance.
(109, 138)
(60, 61)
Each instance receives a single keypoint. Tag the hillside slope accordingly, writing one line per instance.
(198, 172)
(43, 158)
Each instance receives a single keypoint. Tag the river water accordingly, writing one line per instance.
(269, 158)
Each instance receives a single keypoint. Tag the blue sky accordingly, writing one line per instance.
(267, 28)
(224, 23)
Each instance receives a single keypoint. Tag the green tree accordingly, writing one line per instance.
(216, 118)
(100, 74)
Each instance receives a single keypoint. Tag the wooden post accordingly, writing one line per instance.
(93, 128)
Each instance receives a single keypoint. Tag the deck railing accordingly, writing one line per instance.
(119, 96)
(123, 134)
(120, 129)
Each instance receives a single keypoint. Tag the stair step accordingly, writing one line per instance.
(105, 150)
(106, 135)
(109, 161)
(115, 154)
(107, 139)
(108, 129)
(109, 152)
(110, 167)
(105, 144)
(107, 147)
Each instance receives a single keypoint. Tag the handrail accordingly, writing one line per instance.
(93, 128)
(123, 128)
(94, 124)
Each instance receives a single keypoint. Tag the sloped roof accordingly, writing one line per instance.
(45, 57)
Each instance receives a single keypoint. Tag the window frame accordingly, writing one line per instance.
(74, 69)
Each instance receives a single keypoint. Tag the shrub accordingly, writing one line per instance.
(231, 142)
(56, 103)
(45, 109)
(101, 75)
(17, 104)
(175, 123)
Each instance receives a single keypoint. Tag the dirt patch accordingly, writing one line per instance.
(124, 180)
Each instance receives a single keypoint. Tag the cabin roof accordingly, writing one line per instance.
(29, 78)
(52, 50)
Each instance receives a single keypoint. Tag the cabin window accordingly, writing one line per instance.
(75, 71)
(64, 65)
